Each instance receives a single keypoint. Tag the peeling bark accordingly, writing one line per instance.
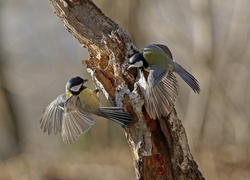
(159, 147)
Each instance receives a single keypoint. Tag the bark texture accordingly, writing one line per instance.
(159, 147)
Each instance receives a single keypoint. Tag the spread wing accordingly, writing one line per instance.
(51, 118)
(76, 120)
(161, 92)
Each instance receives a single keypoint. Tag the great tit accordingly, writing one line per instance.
(72, 113)
(162, 86)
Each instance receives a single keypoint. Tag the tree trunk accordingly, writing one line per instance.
(159, 147)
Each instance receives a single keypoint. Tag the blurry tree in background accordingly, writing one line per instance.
(9, 136)
(210, 38)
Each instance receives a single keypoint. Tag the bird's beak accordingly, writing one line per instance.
(131, 66)
(85, 80)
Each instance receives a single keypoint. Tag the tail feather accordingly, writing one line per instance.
(115, 114)
(187, 77)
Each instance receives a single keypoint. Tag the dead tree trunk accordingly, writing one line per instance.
(159, 147)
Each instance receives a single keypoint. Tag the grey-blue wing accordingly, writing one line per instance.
(161, 92)
(160, 47)
(51, 119)
(76, 120)
(166, 50)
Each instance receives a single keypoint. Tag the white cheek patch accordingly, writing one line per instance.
(137, 64)
(76, 88)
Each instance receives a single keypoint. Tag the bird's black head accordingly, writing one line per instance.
(137, 60)
(75, 85)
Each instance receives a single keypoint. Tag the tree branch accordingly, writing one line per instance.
(160, 148)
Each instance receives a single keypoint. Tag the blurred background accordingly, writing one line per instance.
(210, 38)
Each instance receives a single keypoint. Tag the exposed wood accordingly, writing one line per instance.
(159, 147)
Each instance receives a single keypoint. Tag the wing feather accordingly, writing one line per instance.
(51, 119)
(161, 92)
(76, 121)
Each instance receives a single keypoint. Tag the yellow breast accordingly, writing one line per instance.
(89, 100)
